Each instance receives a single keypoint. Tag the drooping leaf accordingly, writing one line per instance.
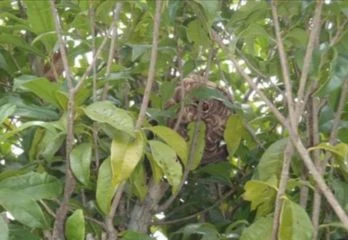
(138, 182)
(75, 226)
(295, 223)
(41, 21)
(19, 42)
(126, 153)
(4, 232)
(107, 112)
(156, 170)
(272, 160)
(196, 133)
(23, 208)
(197, 33)
(80, 160)
(261, 195)
(233, 133)
(36, 185)
(261, 229)
(105, 189)
(6, 110)
(165, 158)
(173, 139)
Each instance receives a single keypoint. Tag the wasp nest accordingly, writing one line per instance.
(213, 112)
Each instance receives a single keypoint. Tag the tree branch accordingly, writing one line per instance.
(58, 229)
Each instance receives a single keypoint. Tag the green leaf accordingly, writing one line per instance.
(23, 208)
(105, 189)
(42, 87)
(298, 36)
(126, 153)
(207, 93)
(138, 182)
(233, 133)
(340, 149)
(261, 229)
(261, 195)
(6, 110)
(165, 158)
(4, 232)
(80, 160)
(294, 223)
(36, 185)
(130, 235)
(272, 160)
(19, 232)
(19, 42)
(41, 21)
(107, 112)
(196, 32)
(156, 170)
(199, 142)
(205, 230)
(173, 139)
(75, 226)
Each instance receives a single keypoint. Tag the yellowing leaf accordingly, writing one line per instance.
(126, 152)
(165, 158)
(173, 139)
(233, 133)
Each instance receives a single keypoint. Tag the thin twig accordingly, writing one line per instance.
(339, 33)
(58, 229)
(152, 68)
(116, 16)
(313, 38)
(284, 65)
(182, 89)
(282, 188)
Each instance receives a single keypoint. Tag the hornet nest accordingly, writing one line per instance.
(214, 114)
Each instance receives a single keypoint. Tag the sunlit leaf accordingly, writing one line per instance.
(261, 229)
(295, 223)
(261, 195)
(126, 153)
(173, 139)
(165, 158)
(75, 226)
(233, 133)
(80, 161)
(107, 112)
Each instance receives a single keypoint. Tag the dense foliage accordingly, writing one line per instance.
(79, 161)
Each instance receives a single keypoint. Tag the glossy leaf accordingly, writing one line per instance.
(22, 207)
(261, 229)
(173, 139)
(261, 195)
(165, 158)
(107, 112)
(36, 185)
(233, 133)
(4, 232)
(105, 189)
(295, 223)
(75, 226)
(272, 160)
(80, 161)
(126, 153)
(198, 144)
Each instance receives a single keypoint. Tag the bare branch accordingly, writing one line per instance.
(152, 68)
(58, 230)
(284, 177)
(313, 38)
(116, 16)
(284, 65)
